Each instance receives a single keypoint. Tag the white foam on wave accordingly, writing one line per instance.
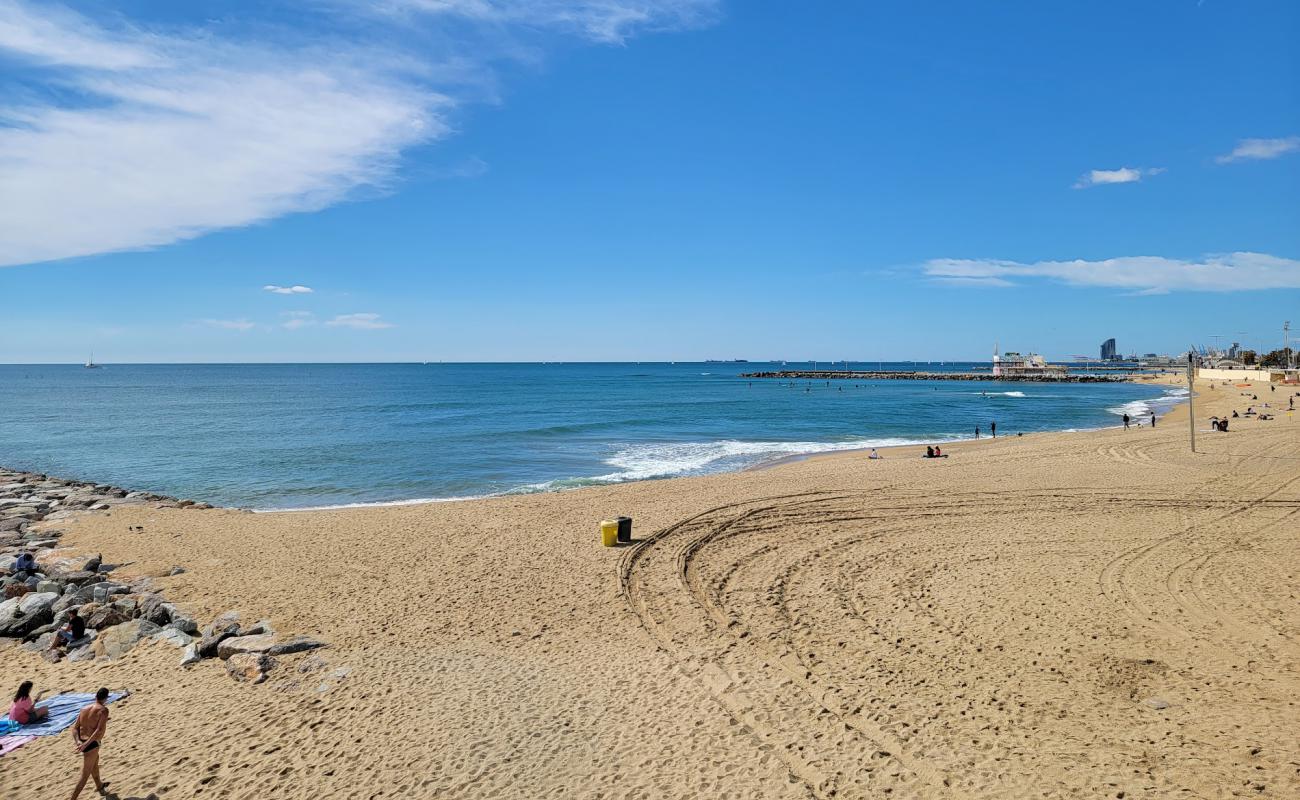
(662, 460)
(1142, 409)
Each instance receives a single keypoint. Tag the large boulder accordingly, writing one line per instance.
(106, 617)
(19, 615)
(116, 641)
(258, 643)
(173, 637)
(249, 667)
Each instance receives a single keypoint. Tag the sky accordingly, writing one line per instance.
(564, 180)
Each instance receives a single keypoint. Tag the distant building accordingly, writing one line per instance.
(1108, 350)
(1015, 365)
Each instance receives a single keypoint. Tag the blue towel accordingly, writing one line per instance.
(63, 712)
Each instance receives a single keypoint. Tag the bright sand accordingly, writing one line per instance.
(1001, 623)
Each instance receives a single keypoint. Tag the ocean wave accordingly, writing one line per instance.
(376, 504)
(1142, 409)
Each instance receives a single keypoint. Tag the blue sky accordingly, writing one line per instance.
(644, 179)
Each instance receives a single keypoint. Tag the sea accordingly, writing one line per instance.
(294, 436)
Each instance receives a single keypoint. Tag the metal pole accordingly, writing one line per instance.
(1191, 392)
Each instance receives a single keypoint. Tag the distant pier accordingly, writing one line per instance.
(907, 375)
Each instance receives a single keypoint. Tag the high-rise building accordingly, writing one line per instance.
(1108, 350)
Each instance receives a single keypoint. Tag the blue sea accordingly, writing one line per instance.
(278, 436)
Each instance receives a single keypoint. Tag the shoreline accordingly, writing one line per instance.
(832, 449)
(1034, 616)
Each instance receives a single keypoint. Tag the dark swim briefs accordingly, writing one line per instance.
(90, 747)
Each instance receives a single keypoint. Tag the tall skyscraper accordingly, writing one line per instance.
(1108, 350)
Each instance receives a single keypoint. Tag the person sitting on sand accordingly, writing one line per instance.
(874, 454)
(24, 710)
(938, 453)
(72, 630)
(88, 733)
(1234, 414)
(929, 452)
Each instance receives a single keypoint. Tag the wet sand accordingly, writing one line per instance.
(1093, 614)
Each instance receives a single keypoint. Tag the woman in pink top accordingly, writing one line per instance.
(24, 710)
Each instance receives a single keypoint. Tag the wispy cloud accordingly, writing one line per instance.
(297, 319)
(363, 322)
(1258, 149)
(126, 138)
(230, 324)
(1228, 272)
(287, 289)
(1102, 177)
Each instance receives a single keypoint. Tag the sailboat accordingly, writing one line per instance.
(90, 362)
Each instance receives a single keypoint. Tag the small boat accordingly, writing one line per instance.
(90, 362)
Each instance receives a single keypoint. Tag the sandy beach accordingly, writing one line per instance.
(1091, 614)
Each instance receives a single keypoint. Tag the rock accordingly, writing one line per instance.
(191, 655)
(155, 609)
(259, 627)
(249, 667)
(92, 564)
(227, 620)
(173, 637)
(176, 571)
(1157, 703)
(106, 617)
(182, 623)
(295, 644)
(107, 589)
(49, 586)
(84, 653)
(52, 656)
(78, 577)
(11, 524)
(116, 641)
(256, 643)
(208, 644)
(19, 615)
(40, 643)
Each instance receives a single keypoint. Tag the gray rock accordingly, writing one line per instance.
(208, 644)
(294, 644)
(116, 641)
(155, 609)
(173, 637)
(191, 655)
(227, 620)
(257, 643)
(78, 577)
(106, 617)
(1157, 703)
(107, 589)
(92, 564)
(83, 653)
(183, 623)
(50, 586)
(19, 615)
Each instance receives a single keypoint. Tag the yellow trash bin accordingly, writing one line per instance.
(609, 532)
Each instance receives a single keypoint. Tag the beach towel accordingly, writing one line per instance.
(12, 742)
(64, 709)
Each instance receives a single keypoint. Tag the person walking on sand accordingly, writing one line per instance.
(1126, 422)
(88, 734)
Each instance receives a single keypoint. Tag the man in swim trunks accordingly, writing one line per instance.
(88, 732)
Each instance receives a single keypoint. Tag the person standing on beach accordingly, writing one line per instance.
(88, 733)
(993, 428)
(977, 431)
(1126, 422)
(1153, 419)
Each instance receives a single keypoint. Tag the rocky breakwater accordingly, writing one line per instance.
(47, 591)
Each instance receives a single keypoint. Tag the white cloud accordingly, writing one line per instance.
(1101, 177)
(608, 21)
(230, 324)
(1225, 272)
(297, 319)
(1254, 149)
(270, 287)
(125, 138)
(365, 322)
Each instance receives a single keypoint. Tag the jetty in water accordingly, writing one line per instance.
(910, 375)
